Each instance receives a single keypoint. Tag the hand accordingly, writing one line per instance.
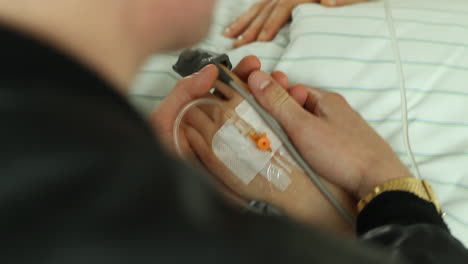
(301, 200)
(187, 90)
(333, 138)
(265, 19)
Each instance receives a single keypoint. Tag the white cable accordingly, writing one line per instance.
(402, 84)
(180, 116)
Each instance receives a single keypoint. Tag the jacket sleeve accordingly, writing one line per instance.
(411, 228)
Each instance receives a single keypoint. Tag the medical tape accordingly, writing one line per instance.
(241, 155)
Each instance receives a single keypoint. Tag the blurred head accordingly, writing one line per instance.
(170, 24)
(113, 36)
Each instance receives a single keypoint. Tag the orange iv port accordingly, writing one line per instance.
(262, 142)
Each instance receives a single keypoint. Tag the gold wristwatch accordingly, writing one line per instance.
(418, 187)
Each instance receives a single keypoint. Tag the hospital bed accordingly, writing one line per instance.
(349, 50)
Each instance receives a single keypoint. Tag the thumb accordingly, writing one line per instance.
(194, 86)
(186, 90)
(276, 100)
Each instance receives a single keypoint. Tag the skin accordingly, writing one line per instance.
(144, 27)
(332, 137)
(301, 200)
(265, 19)
(136, 25)
(335, 140)
(352, 155)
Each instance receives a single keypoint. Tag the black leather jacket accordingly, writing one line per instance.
(410, 228)
(82, 180)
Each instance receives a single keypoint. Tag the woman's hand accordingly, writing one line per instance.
(333, 138)
(265, 19)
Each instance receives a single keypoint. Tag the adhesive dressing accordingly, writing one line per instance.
(243, 157)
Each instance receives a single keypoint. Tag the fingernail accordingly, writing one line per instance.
(239, 42)
(204, 70)
(207, 68)
(227, 31)
(260, 80)
(332, 2)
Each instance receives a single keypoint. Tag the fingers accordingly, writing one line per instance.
(264, 20)
(332, 3)
(211, 162)
(211, 109)
(196, 85)
(187, 90)
(276, 100)
(225, 90)
(310, 98)
(185, 150)
(251, 33)
(332, 106)
(300, 94)
(323, 104)
(278, 18)
(281, 78)
(246, 66)
(201, 148)
(202, 123)
(239, 26)
(236, 79)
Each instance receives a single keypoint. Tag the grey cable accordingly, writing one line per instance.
(279, 131)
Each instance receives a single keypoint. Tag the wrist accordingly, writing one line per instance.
(417, 187)
(377, 177)
(304, 202)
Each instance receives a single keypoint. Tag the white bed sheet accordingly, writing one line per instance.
(348, 50)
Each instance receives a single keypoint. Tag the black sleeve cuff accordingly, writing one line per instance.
(397, 208)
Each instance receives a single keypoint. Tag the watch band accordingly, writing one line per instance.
(418, 187)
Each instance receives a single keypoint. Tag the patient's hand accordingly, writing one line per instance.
(187, 90)
(264, 19)
(301, 200)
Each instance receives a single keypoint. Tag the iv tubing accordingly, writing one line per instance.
(180, 116)
(278, 130)
(402, 84)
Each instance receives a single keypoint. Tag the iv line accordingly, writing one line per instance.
(402, 85)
